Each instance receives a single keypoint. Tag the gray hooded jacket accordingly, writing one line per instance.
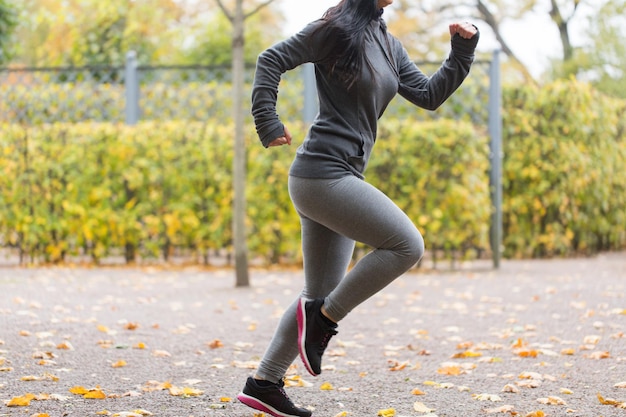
(341, 137)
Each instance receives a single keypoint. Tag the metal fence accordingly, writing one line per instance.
(140, 92)
(134, 92)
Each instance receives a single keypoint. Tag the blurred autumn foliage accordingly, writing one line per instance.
(162, 189)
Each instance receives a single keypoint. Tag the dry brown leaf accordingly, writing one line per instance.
(531, 375)
(215, 344)
(591, 340)
(397, 366)
(421, 407)
(487, 397)
(156, 386)
(598, 355)
(131, 326)
(530, 383)
(503, 409)
(510, 389)
(551, 400)
(65, 346)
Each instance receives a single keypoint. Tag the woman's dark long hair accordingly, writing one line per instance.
(344, 27)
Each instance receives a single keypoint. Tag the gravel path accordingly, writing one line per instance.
(472, 342)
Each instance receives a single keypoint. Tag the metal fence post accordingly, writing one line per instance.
(309, 109)
(495, 176)
(131, 86)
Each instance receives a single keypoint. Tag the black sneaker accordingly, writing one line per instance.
(271, 399)
(313, 334)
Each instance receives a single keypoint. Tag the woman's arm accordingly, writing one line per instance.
(303, 47)
(431, 92)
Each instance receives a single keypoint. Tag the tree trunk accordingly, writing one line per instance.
(239, 161)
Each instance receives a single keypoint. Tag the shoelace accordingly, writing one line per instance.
(282, 391)
(325, 341)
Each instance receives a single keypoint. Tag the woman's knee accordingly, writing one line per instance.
(412, 247)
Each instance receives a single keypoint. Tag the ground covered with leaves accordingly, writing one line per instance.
(534, 338)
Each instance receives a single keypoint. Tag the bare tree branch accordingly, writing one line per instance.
(492, 21)
(227, 13)
(256, 9)
(562, 25)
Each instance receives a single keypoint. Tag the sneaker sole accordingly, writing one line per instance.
(261, 406)
(301, 317)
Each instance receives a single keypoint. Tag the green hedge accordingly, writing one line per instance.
(98, 189)
(564, 171)
(160, 188)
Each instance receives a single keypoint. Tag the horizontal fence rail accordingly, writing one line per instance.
(190, 92)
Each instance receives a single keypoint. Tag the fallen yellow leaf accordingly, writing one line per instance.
(538, 413)
(22, 401)
(95, 394)
(450, 370)
(142, 412)
(417, 391)
(327, 386)
(389, 412)
(65, 346)
(467, 354)
(527, 353)
(342, 414)
(611, 401)
(119, 364)
(185, 392)
(79, 390)
(140, 345)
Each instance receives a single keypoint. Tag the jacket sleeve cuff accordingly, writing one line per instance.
(273, 134)
(465, 47)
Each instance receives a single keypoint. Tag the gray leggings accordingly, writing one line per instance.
(334, 213)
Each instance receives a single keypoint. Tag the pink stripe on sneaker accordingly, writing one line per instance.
(301, 317)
